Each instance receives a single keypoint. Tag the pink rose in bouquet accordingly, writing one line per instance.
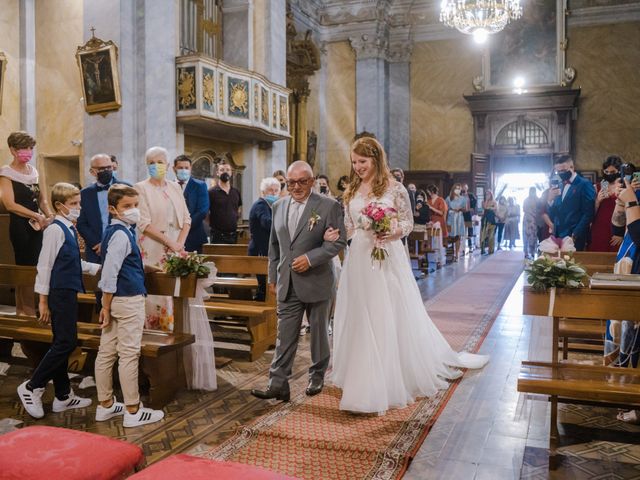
(382, 220)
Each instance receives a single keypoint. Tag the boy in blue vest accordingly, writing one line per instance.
(58, 282)
(123, 312)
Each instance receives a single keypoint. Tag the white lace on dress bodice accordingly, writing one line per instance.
(396, 197)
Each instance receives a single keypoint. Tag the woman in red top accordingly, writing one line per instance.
(602, 239)
(438, 208)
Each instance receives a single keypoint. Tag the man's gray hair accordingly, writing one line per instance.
(300, 165)
(267, 183)
(98, 156)
(156, 151)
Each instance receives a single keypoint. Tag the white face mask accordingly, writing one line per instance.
(72, 213)
(131, 216)
(457, 191)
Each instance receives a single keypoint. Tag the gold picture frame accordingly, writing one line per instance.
(98, 64)
(3, 67)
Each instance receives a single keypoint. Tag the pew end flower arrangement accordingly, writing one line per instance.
(556, 267)
(184, 264)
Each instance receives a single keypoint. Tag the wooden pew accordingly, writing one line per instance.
(596, 262)
(161, 360)
(225, 249)
(257, 318)
(585, 383)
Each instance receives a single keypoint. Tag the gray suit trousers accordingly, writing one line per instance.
(290, 313)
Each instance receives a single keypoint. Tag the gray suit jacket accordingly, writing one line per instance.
(316, 284)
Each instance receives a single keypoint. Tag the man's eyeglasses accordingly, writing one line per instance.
(103, 169)
(303, 183)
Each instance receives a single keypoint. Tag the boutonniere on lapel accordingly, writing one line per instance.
(314, 219)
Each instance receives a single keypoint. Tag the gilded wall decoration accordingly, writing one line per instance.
(284, 113)
(275, 110)
(256, 103)
(186, 88)
(3, 66)
(238, 97)
(221, 93)
(208, 90)
(264, 108)
(98, 64)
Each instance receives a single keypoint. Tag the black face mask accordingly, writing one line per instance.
(105, 177)
(323, 189)
(282, 185)
(565, 176)
(611, 177)
(225, 177)
(398, 178)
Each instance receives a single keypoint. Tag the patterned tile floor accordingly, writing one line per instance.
(487, 430)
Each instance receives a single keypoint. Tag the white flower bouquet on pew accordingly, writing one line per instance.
(556, 267)
(186, 263)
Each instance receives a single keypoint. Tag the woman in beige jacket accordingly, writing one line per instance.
(164, 225)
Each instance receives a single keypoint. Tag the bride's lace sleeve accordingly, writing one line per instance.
(403, 205)
(348, 222)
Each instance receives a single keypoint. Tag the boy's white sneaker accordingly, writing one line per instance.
(103, 413)
(70, 403)
(31, 400)
(142, 417)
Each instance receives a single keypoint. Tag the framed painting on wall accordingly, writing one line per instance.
(98, 64)
(3, 66)
(531, 49)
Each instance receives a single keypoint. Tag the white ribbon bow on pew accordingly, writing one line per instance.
(553, 246)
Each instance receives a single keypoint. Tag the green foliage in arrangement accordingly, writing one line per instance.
(185, 263)
(561, 272)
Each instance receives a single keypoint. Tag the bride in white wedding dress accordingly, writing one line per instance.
(386, 350)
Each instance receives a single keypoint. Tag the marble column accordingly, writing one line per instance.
(372, 87)
(256, 40)
(275, 40)
(399, 106)
(28, 67)
(146, 33)
(237, 33)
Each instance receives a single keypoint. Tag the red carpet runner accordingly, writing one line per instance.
(310, 438)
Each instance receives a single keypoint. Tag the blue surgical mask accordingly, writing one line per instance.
(183, 174)
(271, 198)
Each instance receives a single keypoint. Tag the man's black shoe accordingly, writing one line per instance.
(315, 387)
(269, 393)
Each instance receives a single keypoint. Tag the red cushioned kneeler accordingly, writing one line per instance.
(48, 453)
(194, 468)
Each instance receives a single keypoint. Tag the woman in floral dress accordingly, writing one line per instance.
(164, 225)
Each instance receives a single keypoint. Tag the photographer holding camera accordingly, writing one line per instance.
(622, 338)
(571, 203)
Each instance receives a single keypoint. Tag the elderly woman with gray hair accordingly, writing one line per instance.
(260, 226)
(163, 227)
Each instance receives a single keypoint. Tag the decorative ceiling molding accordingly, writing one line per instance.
(590, 16)
(411, 20)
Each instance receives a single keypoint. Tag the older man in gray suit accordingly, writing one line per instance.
(300, 263)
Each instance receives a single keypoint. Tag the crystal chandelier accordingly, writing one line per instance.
(479, 17)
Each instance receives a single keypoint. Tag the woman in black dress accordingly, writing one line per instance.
(29, 212)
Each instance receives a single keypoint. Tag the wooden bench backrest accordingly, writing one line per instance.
(156, 284)
(595, 258)
(585, 303)
(243, 265)
(223, 249)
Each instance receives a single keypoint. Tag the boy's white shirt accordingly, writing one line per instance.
(52, 241)
(118, 248)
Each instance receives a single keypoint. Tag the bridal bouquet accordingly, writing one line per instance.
(381, 220)
(185, 263)
(550, 272)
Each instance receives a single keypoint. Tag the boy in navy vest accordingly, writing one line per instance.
(58, 282)
(122, 315)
